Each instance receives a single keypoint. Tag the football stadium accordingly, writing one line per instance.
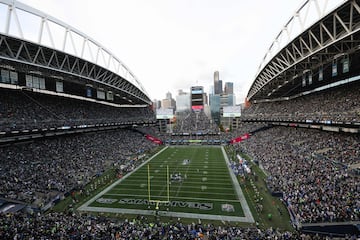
(85, 153)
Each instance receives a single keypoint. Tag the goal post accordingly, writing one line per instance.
(158, 201)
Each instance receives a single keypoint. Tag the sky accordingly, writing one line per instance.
(175, 44)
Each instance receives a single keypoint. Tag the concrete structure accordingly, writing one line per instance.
(183, 101)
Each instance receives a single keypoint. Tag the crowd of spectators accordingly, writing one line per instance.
(195, 122)
(246, 128)
(311, 169)
(340, 104)
(71, 226)
(35, 172)
(20, 110)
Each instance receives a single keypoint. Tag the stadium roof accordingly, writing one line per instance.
(305, 63)
(29, 36)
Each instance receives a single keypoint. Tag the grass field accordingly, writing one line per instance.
(206, 188)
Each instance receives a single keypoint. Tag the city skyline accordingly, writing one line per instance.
(228, 88)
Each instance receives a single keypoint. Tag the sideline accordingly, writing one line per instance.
(168, 214)
(238, 190)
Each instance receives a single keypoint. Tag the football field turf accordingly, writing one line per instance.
(192, 182)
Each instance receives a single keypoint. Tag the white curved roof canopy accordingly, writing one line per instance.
(309, 12)
(24, 22)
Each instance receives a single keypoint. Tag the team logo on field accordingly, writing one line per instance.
(227, 208)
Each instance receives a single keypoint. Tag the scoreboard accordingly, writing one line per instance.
(197, 98)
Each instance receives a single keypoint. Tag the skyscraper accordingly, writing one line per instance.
(216, 76)
(229, 88)
(168, 102)
(217, 83)
(168, 95)
(220, 98)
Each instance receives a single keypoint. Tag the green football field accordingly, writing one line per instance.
(192, 182)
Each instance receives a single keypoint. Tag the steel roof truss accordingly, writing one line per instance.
(296, 50)
(39, 57)
(10, 52)
(327, 31)
(54, 60)
(75, 66)
(356, 6)
(302, 42)
(112, 79)
(24, 53)
(283, 59)
(100, 73)
(92, 70)
(312, 35)
(64, 63)
(276, 64)
(275, 67)
(267, 74)
(342, 23)
(288, 53)
(104, 76)
(271, 72)
(85, 69)
(19, 50)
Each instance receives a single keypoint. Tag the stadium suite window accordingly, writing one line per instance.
(5, 76)
(8, 76)
(35, 82)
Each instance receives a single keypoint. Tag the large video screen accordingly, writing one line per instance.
(199, 107)
(164, 113)
(232, 111)
(197, 91)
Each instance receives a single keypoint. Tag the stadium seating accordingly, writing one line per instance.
(39, 171)
(72, 226)
(340, 104)
(312, 169)
(195, 122)
(21, 109)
